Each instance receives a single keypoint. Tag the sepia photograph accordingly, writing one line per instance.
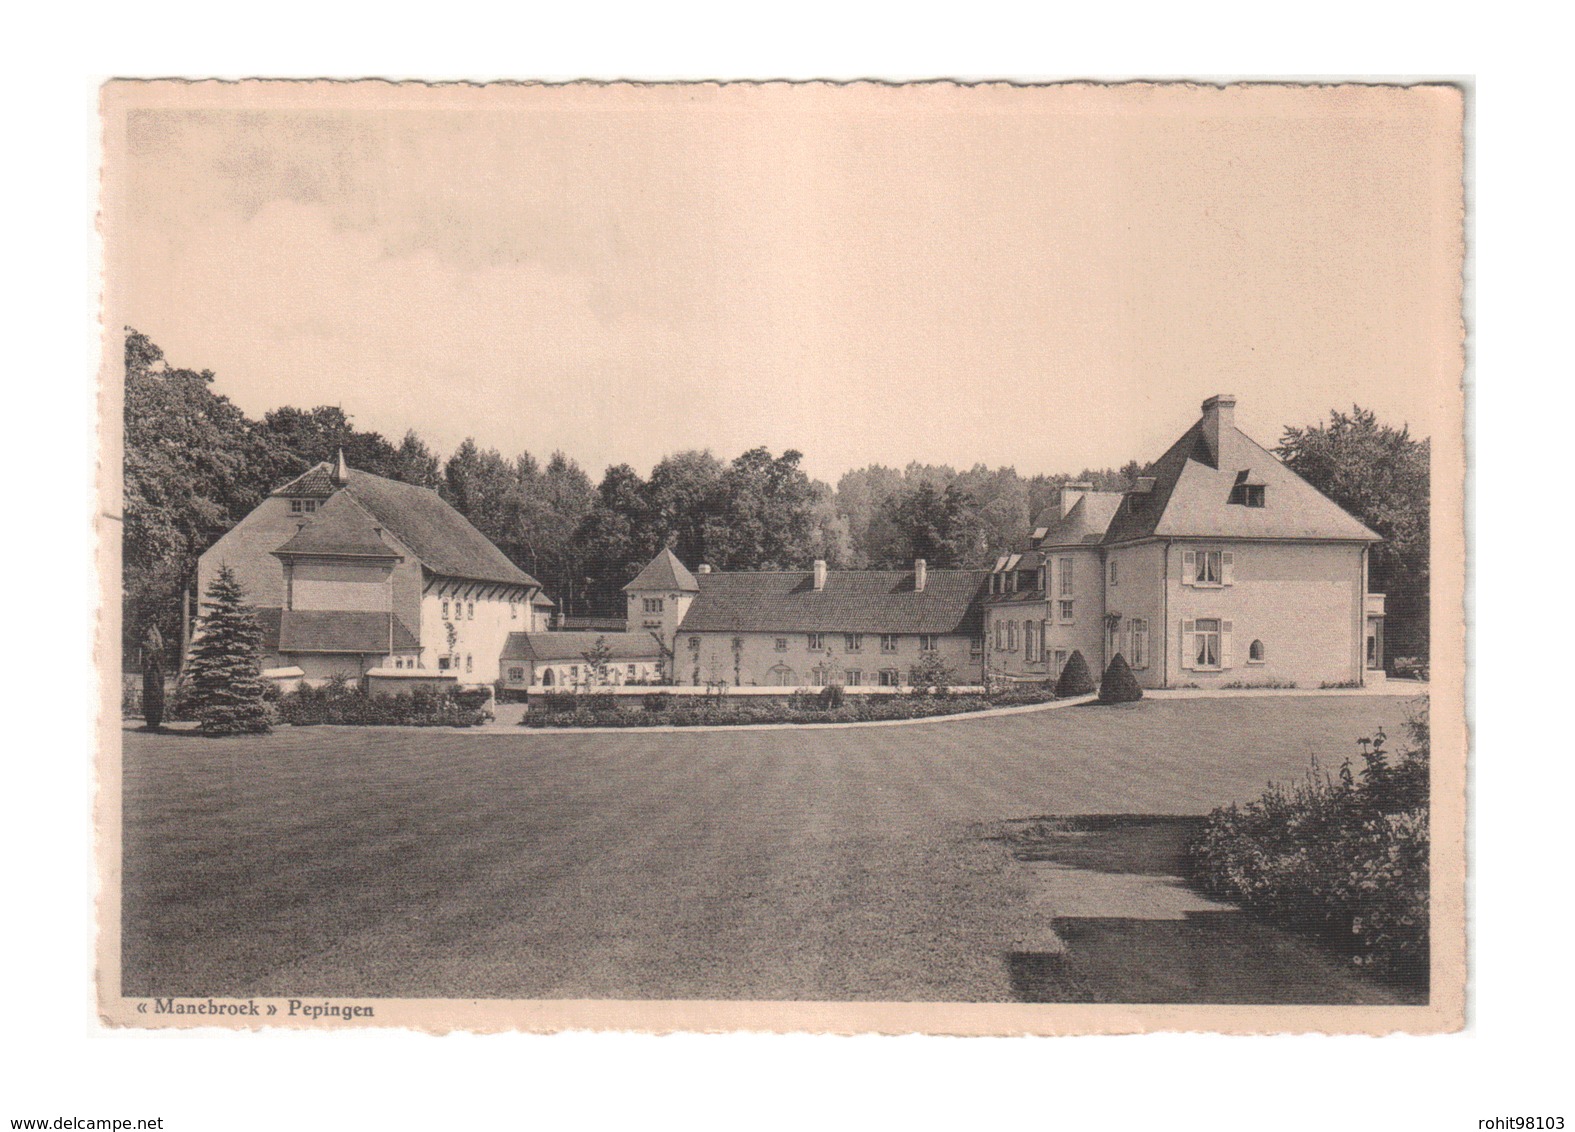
(850, 557)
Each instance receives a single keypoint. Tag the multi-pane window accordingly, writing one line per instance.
(574, 672)
(928, 642)
(854, 678)
(445, 611)
(781, 644)
(852, 642)
(890, 678)
(975, 646)
(468, 663)
(1247, 494)
(516, 675)
(633, 672)
(1066, 577)
(817, 641)
(470, 611)
(303, 506)
(1000, 636)
(652, 604)
(1060, 660)
(694, 644)
(1115, 572)
(888, 642)
(1206, 643)
(1064, 611)
(1138, 628)
(1011, 636)
(1207, 571)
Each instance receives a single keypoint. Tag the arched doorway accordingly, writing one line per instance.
(546, 678)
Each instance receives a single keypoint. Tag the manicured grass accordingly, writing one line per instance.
(832, 864)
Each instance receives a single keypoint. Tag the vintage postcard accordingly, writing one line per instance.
(945, 558)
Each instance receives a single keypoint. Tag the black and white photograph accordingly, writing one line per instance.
(860, 558)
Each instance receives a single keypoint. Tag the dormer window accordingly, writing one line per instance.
(302, 506)
(1246, 494)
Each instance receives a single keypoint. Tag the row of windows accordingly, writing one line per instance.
(854, 678)
(851, 642)
(652, 604)
(451, 663)
(1206, 645)
(302, 506)
(1035, 579)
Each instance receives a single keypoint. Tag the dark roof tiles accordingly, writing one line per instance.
(854, 601)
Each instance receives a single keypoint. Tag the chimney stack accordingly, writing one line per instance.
(820, 574)
(703, 568)
(1219, 417)
(921, 574)
(1071, 493)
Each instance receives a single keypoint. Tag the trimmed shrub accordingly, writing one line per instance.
(657, 702)
(830, 697)
(472, 699)
(1119, 686)
(1075, 679)
(341, 704)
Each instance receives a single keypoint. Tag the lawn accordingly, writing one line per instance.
(831, 864)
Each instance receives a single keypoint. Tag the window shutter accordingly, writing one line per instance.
(1189, 568)
(1189, 645)
(1227, 568)
(1225, 629)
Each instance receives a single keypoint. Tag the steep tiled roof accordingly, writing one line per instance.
(340, 527)
(342, 631)
(1192, 487)
(1085, 523)
(574, 646)
(438, 535)
(542, 601)
(315, 483)
(664, 572)
(854, 601)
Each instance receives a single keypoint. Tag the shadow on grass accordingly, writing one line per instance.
(1217, 956)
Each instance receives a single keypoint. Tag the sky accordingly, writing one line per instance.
(1044, 278)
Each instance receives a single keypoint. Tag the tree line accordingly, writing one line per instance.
(195, 464)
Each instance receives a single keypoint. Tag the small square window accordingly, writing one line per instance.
(781, 644)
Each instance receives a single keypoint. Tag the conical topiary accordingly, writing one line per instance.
(226, 690)
(1119, 685)
(1075, 680)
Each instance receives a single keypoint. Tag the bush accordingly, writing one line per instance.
(830, 697)
(656, 701)
(1119, 686)
(1345, 859)
(343, 704)
(472, 699)
(1075, 680)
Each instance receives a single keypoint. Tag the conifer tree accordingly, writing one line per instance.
(226, 690)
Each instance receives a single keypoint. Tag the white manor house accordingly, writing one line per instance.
(1223, 566)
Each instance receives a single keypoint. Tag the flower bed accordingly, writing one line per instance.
(664, 710)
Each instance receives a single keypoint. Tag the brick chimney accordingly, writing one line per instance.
(820, 574)
(1071, 493)
(921, 574)
(1219, 417)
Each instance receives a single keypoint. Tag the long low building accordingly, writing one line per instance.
(805, 628)
(578, 659)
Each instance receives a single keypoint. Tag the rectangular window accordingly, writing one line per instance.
(1206, 643)
(1033, 646)
(855, 678)
(888, 642)
(514, 611)
(1115, 572)
(928, 642)
(817, 641)
(1011, 636)
(1060, 660)
(890, 678)
(470, 611)
(1207, 567)
(442, 664)
(1064, 612)
(694, 644)
(633, 672)
(1247, 494)
(445, 611)
(975, 646)
(467, 662)
(1138, 628)
(516, 675)
(1000, 639)
(297, 506)
(852, 642)
(781, 644)
(574, 672)
(1066, 577)
(653, 604)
